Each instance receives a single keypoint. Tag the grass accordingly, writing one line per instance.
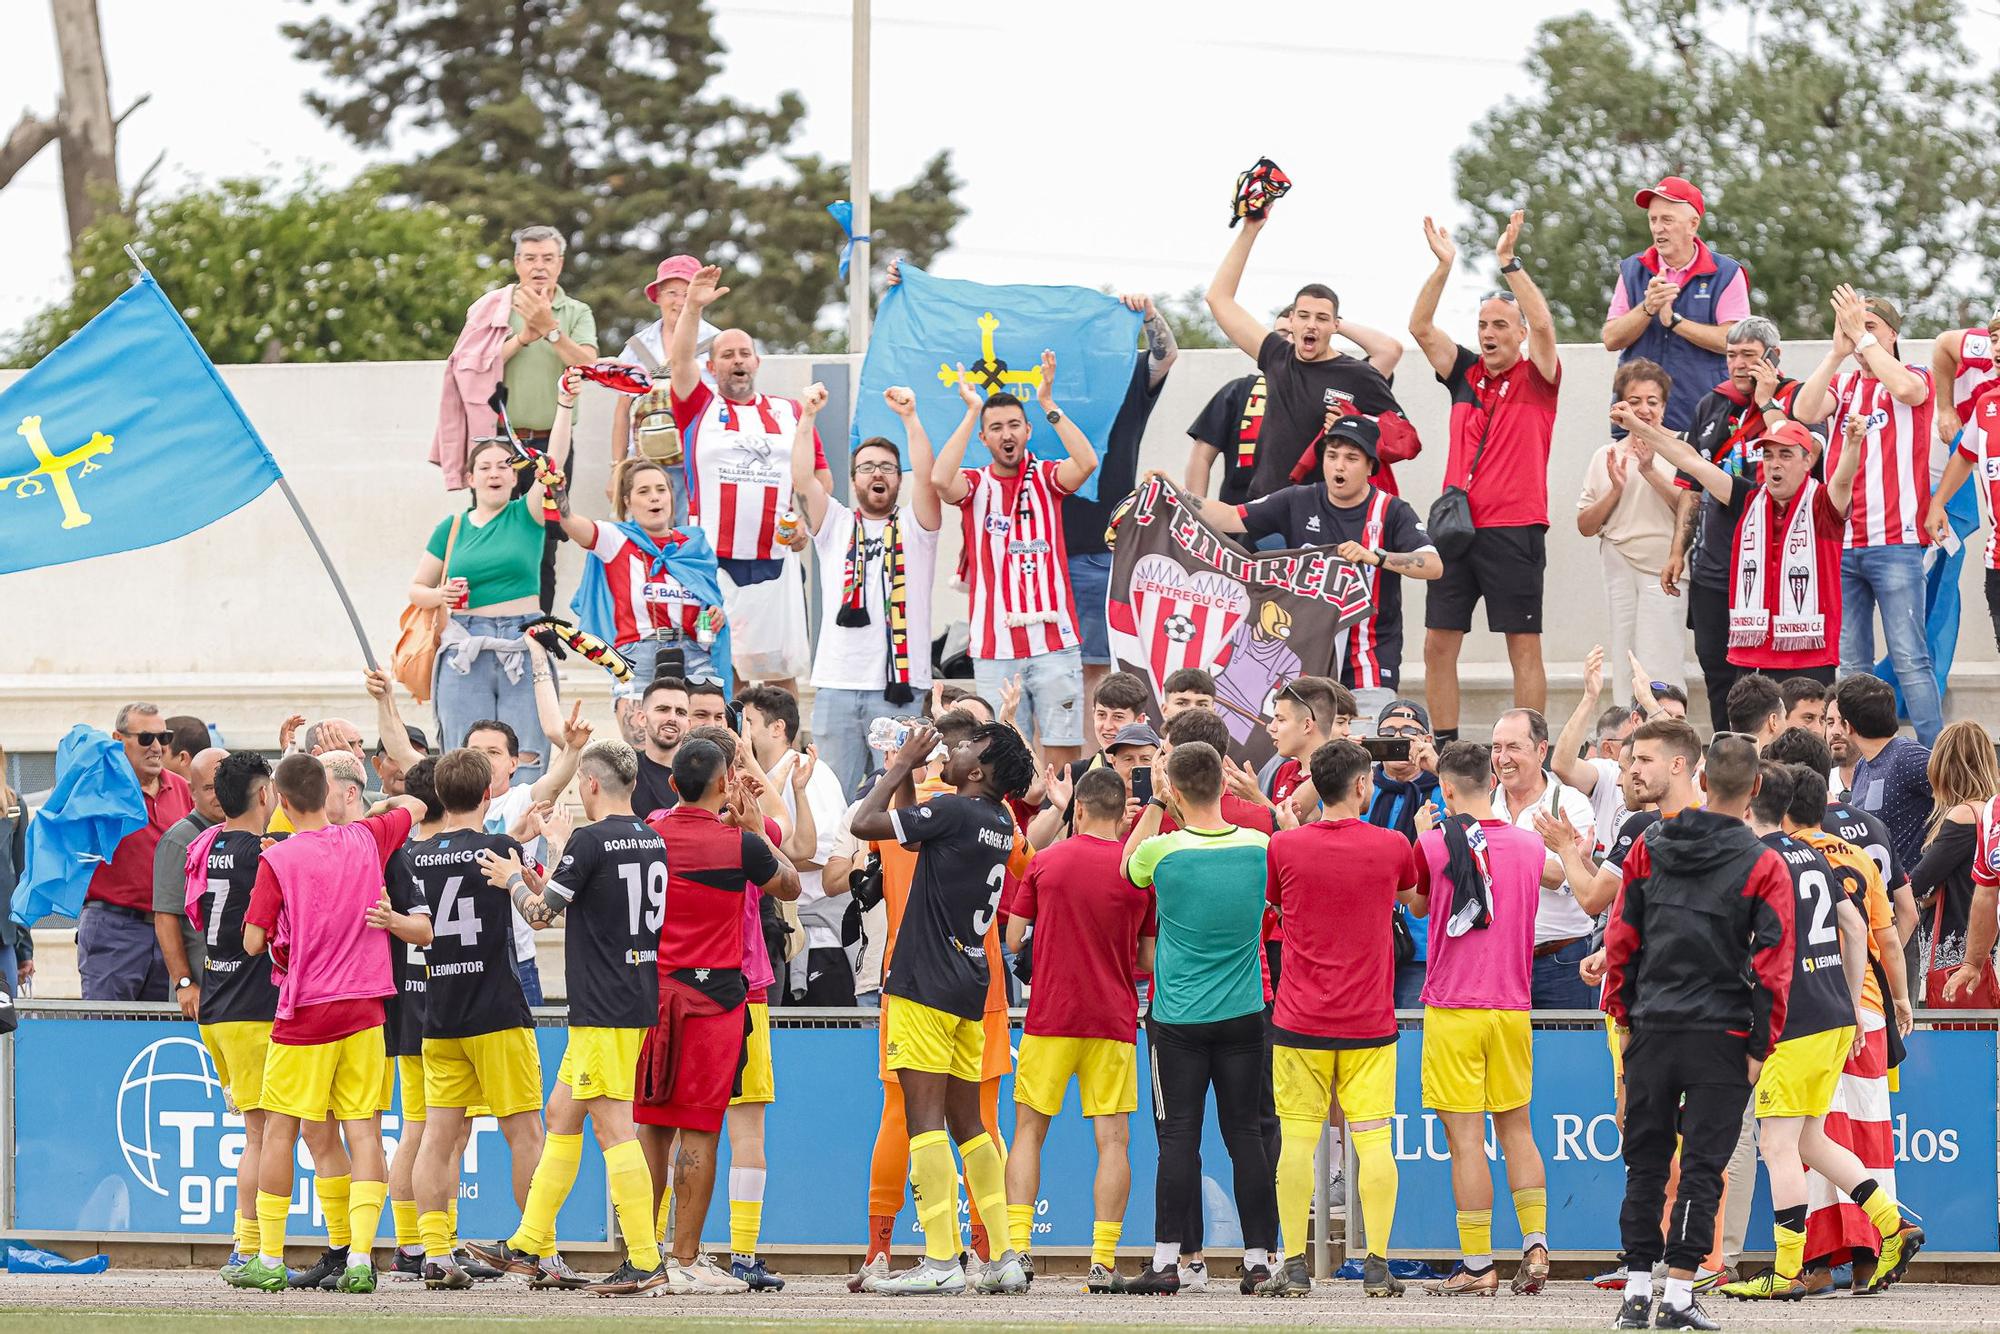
(125, 1321)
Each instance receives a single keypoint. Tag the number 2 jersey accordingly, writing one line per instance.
(1819, 999)
(236, 987)
(471, 987)
(612, 885)
(962, 845)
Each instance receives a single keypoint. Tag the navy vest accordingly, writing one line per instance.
(1695, 370)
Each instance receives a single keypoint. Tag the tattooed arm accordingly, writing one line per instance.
(1161, 349)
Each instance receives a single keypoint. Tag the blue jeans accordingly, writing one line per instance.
(840, 730)
(530, 973)
(1051, 692)
(484, 691)
(644, 656)
(1089, 580)
(1556, 983)
(1891, 579)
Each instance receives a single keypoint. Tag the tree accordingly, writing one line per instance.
(264, 275)
(1187, 315)
(594, 116)
(1840, 141)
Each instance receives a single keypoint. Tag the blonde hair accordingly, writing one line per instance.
(625, 478)
(1963, 769)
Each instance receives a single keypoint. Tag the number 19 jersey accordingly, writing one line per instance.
(612, 881)
(472, 987)
(962, 848)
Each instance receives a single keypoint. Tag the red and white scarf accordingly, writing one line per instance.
(1783, 611)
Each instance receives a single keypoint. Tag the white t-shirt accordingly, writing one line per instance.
(821, 916)
(500, 816)
(857, 657)
(1559, 916)
(1607, 802)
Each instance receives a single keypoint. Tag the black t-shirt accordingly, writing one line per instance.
(1308, 518)
(1867, 832)
(1630, 829)
(962, 846)
(236, 987)
(472, 987)
(1299, 394)
(1232, 423)
(409, 967)
(1717, 419)
(1819, 998)
(613, 877)
(1117, 465)
(655, 789)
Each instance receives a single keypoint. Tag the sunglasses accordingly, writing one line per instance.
(1411, 731)
(150, 738)
(1715, 744)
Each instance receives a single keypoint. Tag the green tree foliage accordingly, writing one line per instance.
(265, 274)
(1835, 140)
(595, 116)
(1187, 315)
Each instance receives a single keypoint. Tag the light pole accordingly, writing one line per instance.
(858, 270)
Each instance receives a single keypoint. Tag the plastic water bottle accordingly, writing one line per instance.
(888, 734)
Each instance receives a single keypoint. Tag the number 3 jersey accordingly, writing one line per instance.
(1819, 999)
(235, 987)
(471, 988)
(612, 885)
(962, 848)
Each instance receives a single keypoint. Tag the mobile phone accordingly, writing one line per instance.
(1142, 783)
(1387, 749)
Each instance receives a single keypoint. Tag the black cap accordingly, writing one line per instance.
(1359, 431)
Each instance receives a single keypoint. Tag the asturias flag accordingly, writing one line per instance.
(123, 437)
(95, 803)
(927, 327)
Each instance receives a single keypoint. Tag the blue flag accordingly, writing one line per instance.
(123, 437)
(96, 802)
(927, 327)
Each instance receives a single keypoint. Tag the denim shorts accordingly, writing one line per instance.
(1089, 580)
(1051, 692)
(643, 655)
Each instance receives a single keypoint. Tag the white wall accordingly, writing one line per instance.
(237, 624)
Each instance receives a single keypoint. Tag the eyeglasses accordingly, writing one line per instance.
(1411, 731)
(150, 738)
(867, 469)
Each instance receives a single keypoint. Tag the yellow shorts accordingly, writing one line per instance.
(1304, 1081)
(238, 1050)
(1802, 1074)
(1106, 1070)
(921, 1038)
(414, 1106)
(760, 1077)
(1617, 1051)
(601, 1063)
(1477, 1060)
(503, 1070)
(344, 1078)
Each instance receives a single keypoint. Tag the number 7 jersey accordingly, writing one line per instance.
(962, 844)
(472, 987)
(612, 885)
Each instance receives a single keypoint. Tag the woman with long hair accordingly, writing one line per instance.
(17, 943)
(1964, 775)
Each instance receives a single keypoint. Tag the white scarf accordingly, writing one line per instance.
(1791, 620)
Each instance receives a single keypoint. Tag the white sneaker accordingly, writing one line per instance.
(925, 1280)
(1194, 1277)
(1336, 1194)
(1004, 1275)
(713, 1278)
(869, 1275)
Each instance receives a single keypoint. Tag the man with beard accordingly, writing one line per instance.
(737, 445)
(646, 423)
(875, 637)
(663, 720)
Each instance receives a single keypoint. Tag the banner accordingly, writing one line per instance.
(1184, 595)
(927, 327)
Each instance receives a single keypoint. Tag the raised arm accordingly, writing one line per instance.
(924, 501)
(1383, 350)
(1564, 756)
(1244, 329)
(805, 480)
(702, 293)
(1677, 452)
(1840, 486)
(1437, 346)
(1814, 401)
(389, 720)
(871, 822)
(1161, 349)
(570, 739)
(946, 479)
(1075, 470)
(1904, 385)
(1534, 306)
(1945, 356)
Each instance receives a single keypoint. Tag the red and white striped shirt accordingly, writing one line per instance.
(1975, 370)
(1892, 487)
(1979, 443)
(1016, 562)
(740, 456)
(641, 602)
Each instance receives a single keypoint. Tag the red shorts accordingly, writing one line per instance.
(688, 1066)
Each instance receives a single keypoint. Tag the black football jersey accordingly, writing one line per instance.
(1867, 832)
(612, 885)
(471, 987)
(1819, 997)
(403, 1031)
(236, 987)
(962, 848)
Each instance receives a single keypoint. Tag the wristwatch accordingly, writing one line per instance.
(1055, 415)
(553, 335)
(1674, 318)
(1156, 801)
(184, 984)
(1512, 266)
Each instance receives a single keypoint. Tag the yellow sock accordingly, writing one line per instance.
(434, 1228)
(451, 1218)
(1791, 1251)
(632, 1196)
(1531, 1207)
(1104, 1242)
(246, 1232)
(364, 1213)
(1475, 1232)
(405, 1212)
(934, 1184)
(1376, 1175)
(1295, 1182)
(665, 1221)
(334, 1193)
(272, 1211)
(554, 1175)
(1021, 1226)
(746, 1220)
(1883, 1213)
(986, 1178)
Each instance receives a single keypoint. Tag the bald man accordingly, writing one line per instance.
(180, 943)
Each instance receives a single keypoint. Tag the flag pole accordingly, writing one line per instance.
(312, 534)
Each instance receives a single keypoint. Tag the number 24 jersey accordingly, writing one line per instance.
(962, 848)
(472, 987)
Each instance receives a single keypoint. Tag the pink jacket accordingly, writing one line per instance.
(330, 878)
(470, 373)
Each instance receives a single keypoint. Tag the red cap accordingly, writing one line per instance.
(683, 267)
(1677, 188)
(1791, 433)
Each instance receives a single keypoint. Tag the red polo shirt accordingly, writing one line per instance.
(127, 879)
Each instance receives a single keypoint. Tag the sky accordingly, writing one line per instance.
(1094, 148)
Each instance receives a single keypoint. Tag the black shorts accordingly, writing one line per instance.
(1505, 568)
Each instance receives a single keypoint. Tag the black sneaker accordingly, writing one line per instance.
(552, 1271)
(476, 1268)
(1635, 1313)
(1376, 1280)
(448, 1274)
(1292, 1279)
(628, 1280)
(409, 1264)
(491, 1259)
(1150, 1282)
(1028, 1266)
(1690, 1316)
(325, 1271)
(1254, 1276)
